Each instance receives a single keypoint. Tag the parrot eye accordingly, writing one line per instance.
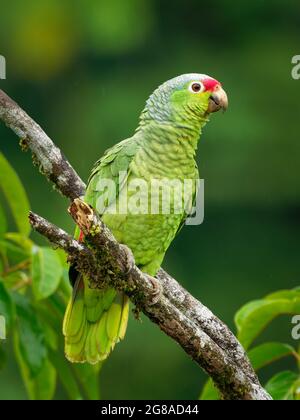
(196, 87)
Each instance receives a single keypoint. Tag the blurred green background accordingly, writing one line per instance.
(83, 70)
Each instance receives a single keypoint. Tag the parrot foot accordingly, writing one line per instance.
(157, 290)
(130, 263)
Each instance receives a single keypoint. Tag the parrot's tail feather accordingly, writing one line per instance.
(95, 320)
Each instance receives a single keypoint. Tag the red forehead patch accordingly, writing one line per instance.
(210, 84)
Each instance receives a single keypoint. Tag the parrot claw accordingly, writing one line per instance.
(157, 290)
(130, 263)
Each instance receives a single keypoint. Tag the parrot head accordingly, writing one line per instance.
(189, 97)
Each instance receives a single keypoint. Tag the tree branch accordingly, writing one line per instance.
(199, 332)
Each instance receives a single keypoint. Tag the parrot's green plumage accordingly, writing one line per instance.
(163, 147)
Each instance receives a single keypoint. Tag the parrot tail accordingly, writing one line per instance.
(95, 320)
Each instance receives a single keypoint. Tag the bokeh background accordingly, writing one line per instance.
(83, 70)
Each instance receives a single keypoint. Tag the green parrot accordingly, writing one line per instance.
(162, 148)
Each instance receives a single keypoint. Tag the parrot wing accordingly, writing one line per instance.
(114, 161)
(96, 320)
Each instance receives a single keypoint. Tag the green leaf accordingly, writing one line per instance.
(12, 253)
(209, 392)
(6, 305)
(3, 222)
(2, 357)
(15, 195)
(297, 390)
(283, 386)
(50, 336)
(21, 241)
(46, 272)
(63, 257)
(43, 385)
(254, 317)
(65, 286)
(66, 376)
(16, 279)
(88, 376)
(30, 336)
(285, 294)
(268, 353)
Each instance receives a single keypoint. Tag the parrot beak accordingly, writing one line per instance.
(218, 100)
